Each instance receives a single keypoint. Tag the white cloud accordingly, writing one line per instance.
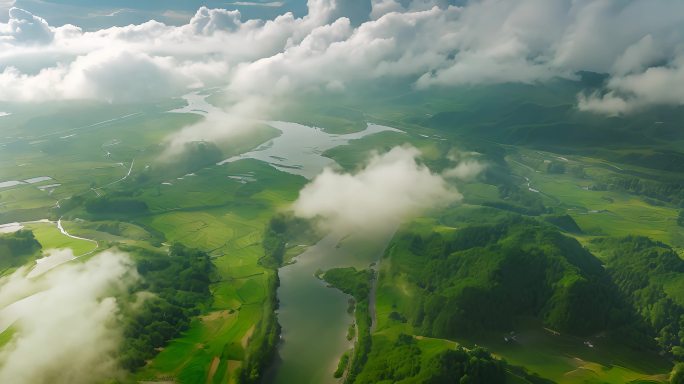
(220, 125)
(608, 104)
(66, 322)
(466, 170)
(108, 74)
(23, 27)
(483, 41)
(383, 7)
(468, 166)
(653, 86)
(639, 56)
(207, 21)
(6, 4)
(391, 187)
(177, 15)
(51, 259)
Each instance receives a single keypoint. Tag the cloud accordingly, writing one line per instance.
(176, 15)
(220, 125)
(635, 91)
(51, 259)
(110, 13)
(639, 56)
(113, 75)
(466, 170)
(468, 166)
(383, 7)
(6, 4)
(66, 322)
(23, 27)
(342, 43)
(207, 21)
(608, 104)
(391, 187)
(145, 60)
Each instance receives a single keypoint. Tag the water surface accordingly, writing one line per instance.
(299, 149)
(314, 317)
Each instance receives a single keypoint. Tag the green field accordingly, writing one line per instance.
(561, 358)
(89, 149)
(207, 210)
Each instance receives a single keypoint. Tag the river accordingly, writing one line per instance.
(313, 317)
(297, 150)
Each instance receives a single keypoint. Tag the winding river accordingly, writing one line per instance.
(297, 150)
(313, 317)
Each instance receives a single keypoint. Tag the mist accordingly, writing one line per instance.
(391, 187)
(66, 323)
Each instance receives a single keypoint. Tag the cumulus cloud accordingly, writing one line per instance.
(344, 42)
(482, 42)
(207, 21)
(382, 7)
(639, 56)
(99, 75)
(66, 322)
(634, 91)
(391, 187)
(24, 27)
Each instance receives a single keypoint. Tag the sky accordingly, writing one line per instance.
(263, 52)
(263, 55)
(93, 15)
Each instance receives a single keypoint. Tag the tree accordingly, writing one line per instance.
(555, 167)
(677, 375)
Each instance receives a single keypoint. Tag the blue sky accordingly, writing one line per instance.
(91, 14)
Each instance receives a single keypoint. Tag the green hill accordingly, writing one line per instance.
(650, 275)
(17, 247)
(485, 277)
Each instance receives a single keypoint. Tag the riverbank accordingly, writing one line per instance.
(314, 318)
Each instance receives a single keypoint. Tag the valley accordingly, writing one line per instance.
(125, 198)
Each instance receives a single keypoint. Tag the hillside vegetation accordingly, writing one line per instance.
(484, 277)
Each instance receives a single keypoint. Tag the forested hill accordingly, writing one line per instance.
(483, 278)
(16, 248)
(650, 275)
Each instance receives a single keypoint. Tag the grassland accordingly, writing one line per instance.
(598, 213)
(226, 218)
(561, 358)
(88, 154)
(88, 148)
(608, 212)
(79, 147)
